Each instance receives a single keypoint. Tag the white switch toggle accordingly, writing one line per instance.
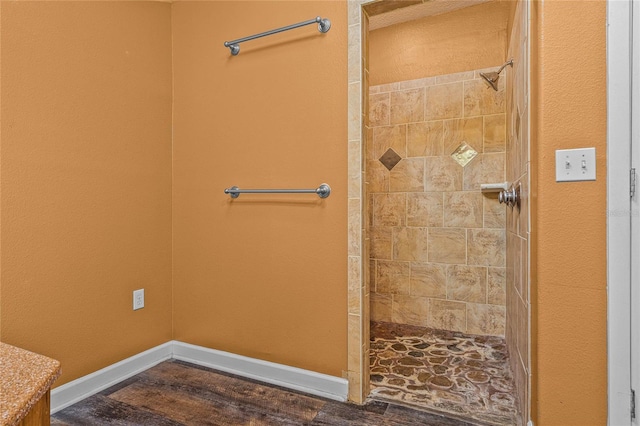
(567, 161)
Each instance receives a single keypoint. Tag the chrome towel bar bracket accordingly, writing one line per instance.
(323, 191)
(323, 26)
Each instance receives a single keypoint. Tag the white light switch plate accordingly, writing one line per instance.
(575, 164)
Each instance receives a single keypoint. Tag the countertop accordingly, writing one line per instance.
(24, 378)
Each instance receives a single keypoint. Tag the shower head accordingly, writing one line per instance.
(492, 77)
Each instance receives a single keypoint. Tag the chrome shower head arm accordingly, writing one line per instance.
(509, 62)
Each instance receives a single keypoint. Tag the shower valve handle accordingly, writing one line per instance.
(510, 197)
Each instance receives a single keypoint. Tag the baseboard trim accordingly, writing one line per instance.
(307, 381)
(323, 385)
(83, 387)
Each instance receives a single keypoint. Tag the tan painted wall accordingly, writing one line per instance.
(264, 275)
(86, 179)
(569, 264)
(467, 39)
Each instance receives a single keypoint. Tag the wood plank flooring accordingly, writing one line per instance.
(178, 393)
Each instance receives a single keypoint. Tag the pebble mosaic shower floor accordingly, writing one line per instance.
(453, 373)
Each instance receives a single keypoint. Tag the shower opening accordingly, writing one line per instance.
(445, 129)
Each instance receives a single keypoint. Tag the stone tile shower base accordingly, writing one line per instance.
(450, 372)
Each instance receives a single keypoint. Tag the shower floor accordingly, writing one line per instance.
(462, 375)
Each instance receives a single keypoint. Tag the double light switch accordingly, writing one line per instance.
(575, 164)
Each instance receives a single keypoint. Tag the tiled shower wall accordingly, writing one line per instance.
(518, 228)
(437, 243)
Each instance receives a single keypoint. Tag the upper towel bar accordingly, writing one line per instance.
(323, 191)
(323, 26)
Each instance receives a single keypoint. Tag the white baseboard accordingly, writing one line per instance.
(323, 385)
(79, 389)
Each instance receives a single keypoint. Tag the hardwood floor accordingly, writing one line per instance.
(178, 393)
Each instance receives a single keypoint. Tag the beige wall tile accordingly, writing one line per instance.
(480, 100)
(380, 242)
(377, 177)
(355, 169)
(354, 226)
(522, 331)
(410, 244)
(428, 280)
(389, 209)
(354, 284)
(485, 319)
(381, 307)
(523, 211)
(425, 139)
(417, 83)
(460, 130)
(496, 286)
(392, 277)
(354, 130)
(447, 315)
(394, 137)
(459, 76)
(372, 275)
(379, 109)
(425, 209)
(494, 133)
(443, 174)
(467, 283)
(486, 247)
(463, 209)
(494, 213)
(407, 106)
(447, 245)
(354, 47)
(407, 176)
(485, 168)
(444, 101)
(409, 310)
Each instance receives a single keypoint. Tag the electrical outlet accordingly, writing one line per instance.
(138, 299)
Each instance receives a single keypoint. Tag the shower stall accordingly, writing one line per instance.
(444, 140)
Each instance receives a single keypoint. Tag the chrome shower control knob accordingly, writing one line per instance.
(510, 197)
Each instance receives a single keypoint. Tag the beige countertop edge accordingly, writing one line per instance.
(24, 378)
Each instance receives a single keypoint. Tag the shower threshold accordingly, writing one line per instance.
(464, 376)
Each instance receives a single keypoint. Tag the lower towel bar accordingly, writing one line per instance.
(323, 191)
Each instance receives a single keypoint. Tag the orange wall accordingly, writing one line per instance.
(264, 275)
(86, 179)
(467, 39)
(569, 264)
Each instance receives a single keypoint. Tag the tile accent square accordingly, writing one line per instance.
(463, 154)
(390, 159)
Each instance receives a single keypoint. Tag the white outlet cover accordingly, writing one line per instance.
(574, 165)
(138, 299)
